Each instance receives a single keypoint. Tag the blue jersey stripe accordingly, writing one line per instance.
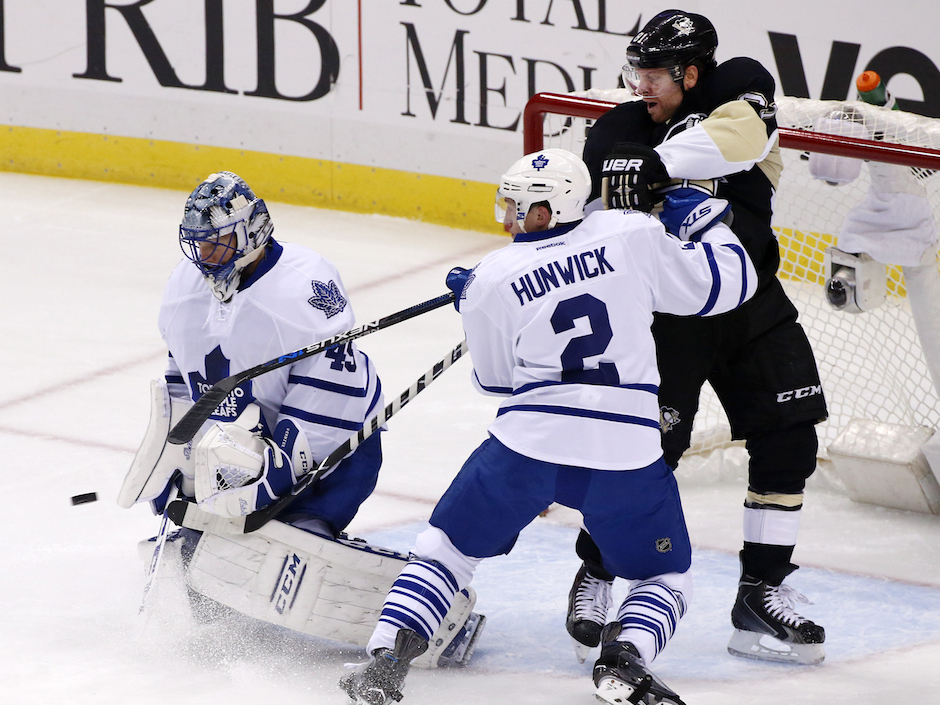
(584, 413)
(327, 386)
(651, 388)
(716, 281)
(739, 251)
(321, 420)
(492, 390)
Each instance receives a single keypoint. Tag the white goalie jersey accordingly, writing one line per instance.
(294, 299)
(559, 321)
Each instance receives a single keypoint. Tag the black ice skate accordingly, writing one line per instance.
(588, 604)
(621, 677)
(768, 628)
(380, 680)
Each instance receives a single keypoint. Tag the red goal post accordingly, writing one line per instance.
(542, 104)
(882, 365)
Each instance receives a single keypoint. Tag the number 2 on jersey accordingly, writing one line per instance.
(585, 346)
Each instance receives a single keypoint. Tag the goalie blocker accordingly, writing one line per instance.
(328, 588)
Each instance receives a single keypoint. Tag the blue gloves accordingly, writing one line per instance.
(457, 280)
(688, 212)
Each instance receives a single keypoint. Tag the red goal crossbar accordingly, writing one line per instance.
(542, 103)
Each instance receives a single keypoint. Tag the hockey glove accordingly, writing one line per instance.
(239, 471)
(688, 213)
(629, 177)
(457, 280)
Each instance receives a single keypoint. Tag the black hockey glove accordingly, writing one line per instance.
(628, 176)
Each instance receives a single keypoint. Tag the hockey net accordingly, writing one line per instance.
(872, 364)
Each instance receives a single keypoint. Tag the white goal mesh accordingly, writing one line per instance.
(872, 364)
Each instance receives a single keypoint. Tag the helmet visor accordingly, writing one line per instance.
(502, 205)
(650, 83)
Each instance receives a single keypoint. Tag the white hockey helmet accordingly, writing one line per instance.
(224, 205)
(555, 176)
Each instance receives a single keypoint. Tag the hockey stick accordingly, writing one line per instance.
(157, 558)
(197, 414)
(188, 514)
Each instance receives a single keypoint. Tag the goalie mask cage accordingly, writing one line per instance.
(872, 364)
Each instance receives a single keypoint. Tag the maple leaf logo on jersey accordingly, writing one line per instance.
(217, 368)
(327, 298)
(540, 162)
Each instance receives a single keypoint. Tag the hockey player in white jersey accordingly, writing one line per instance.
(239, 299)
(558, 323)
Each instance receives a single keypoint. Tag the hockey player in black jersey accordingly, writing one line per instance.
(700, 125)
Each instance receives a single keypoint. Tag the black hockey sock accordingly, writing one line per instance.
(767, 562)
(588, 552)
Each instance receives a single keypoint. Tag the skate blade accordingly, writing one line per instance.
(618, 692)
(614, 691)
(464, 644)
(581, 652)
(763, 647)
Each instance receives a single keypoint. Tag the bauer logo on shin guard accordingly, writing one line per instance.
(288, 584)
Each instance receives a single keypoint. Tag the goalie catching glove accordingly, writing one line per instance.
(630, 176)
(238, 470)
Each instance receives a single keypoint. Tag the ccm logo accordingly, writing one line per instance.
(801, 393)
(292, 574)
(623, 165)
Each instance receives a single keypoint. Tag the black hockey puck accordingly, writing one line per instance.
(85, 498)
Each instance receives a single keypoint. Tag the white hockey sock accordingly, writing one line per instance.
(649, 617)
(772, 526)
(418, 600)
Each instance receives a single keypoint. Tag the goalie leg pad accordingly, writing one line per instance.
(157, 461)
(327, 588)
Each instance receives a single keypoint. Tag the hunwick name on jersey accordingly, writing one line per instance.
(577, 268)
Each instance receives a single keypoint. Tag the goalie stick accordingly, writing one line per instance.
(188, 514)
(157, 558)
(193, 419)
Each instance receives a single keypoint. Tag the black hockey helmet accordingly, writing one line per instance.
(673, 39)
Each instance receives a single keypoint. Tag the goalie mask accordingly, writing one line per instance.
(672, 40)
(553, 176)
(225, 228)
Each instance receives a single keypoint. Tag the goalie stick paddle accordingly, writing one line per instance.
(185, 513)
(197, 414)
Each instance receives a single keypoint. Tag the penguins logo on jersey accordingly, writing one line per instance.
(327, 298)
(668, 419)
(684, 124)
